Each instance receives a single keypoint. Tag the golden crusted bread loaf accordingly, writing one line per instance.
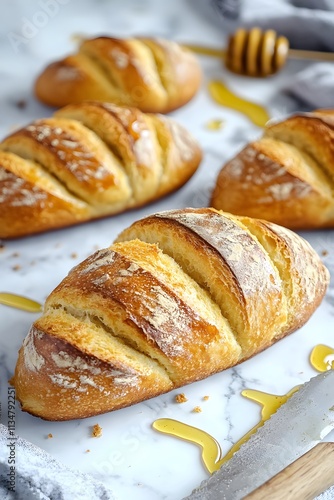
(90, 160)
(179, 296)
(154, 75)
(287, 176)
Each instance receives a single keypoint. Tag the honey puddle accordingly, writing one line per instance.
(212, 454)
(225, 97)
(214, 124)
(19, 302)
(322, 358)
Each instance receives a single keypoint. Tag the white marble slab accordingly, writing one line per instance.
(136, 461)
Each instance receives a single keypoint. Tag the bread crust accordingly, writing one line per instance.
(154, 75)
(179, 296)
(89, 161)
(286, 177)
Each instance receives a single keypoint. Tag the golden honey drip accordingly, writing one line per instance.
(223, 96)
(322, 358)
(211, 450)
(19, 302)
(214, 124)
(212, 455)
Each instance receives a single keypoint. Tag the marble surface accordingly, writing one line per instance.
(136, 461)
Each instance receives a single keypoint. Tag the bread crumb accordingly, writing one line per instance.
(87, 451)
(74, 255)
(205, 398)
(97, 431)
(2, 247)
(197, 409)
(181, 398)
(15, 254)
(17, 267)
(50, 436)
(21, 104)
(324, 253)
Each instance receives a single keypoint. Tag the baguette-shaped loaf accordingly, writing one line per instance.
(179, 296)
(154, 75)
(287, 176)
(90, 160)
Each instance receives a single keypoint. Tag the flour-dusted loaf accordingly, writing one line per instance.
(287, 176)
(179, 296)
(154, 75)
(90, 160)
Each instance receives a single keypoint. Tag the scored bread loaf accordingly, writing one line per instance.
(287, 176)
(154, 75)
(90, 160)
(179, 296)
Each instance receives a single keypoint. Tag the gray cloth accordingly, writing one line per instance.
(308, 24)
(38, 476)
(314, 85)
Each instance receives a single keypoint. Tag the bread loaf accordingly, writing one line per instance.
(287, 176)
(179, 296)
(153, 75)
(90, 160)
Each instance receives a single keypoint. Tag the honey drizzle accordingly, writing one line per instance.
(19, 302)
(223, 96)
(322, 358)
(211, 450)
(212, 454)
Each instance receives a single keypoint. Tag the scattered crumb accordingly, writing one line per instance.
(50, 436)
(87, 451)
(324, 253)
(2, 247)
(181, 398)
(205, 398)
(21, 104)
(97, 431)
(197, 409)
(74, 255)
(15, 254)
(17, 267)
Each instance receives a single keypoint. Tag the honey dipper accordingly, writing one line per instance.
(258, 53)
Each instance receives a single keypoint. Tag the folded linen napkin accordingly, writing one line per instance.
(38, 476)
(308, 24)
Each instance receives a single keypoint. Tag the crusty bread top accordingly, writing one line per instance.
(181, 295)
(89, 160)
(154, 75)
(286, 176)
(224, 254)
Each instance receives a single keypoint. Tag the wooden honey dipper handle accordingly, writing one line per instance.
(259, 53)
